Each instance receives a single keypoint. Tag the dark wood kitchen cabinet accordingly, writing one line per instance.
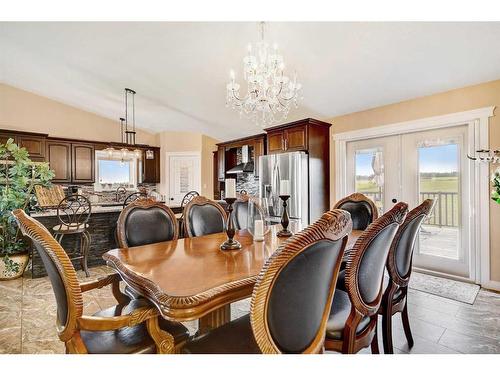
(34, 145)
(151, 172)
(58, 154)
(285, 138)
(82, 162)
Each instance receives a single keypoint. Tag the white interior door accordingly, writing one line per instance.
(413, 167)
(184, 175)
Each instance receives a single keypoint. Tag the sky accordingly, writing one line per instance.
(441, 158)
(113, 171)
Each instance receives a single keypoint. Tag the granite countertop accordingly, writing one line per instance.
(96, 209)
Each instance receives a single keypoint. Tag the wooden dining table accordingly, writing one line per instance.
(192, 278)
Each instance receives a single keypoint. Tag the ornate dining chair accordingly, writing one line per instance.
(203, 216)
(133, 197)
(352, 325)
(399, 269)
(73, 213)
(362, 209)
(240, 211)
(145, 221)
(188, 197)
(129, 327)
(292, 297)
(142, 222)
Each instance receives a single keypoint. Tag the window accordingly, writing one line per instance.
(112, 172)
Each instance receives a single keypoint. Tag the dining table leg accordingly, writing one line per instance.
(214, 319)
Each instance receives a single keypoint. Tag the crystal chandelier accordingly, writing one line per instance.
(270, 93)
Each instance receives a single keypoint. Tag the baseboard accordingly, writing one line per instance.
(492, 285)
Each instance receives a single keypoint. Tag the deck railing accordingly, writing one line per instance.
(446, 207)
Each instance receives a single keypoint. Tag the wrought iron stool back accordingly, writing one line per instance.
(73, 213)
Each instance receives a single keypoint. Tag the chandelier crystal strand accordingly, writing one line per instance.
(270, 94)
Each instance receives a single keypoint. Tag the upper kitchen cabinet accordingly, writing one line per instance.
(58, 154)
(34, 145)
(296, 136)
(82, 162)
(151, 162)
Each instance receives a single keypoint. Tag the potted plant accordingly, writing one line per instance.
(495, 179)
(18, 177)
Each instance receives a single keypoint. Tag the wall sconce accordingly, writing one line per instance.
(150, 154)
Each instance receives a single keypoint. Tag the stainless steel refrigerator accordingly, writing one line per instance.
(291, 166)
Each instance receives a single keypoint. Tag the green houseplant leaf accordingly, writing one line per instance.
(18, 177)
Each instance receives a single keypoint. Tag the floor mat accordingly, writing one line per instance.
(451, 289)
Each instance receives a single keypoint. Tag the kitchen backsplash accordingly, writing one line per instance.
(107, 196)
(246, 181)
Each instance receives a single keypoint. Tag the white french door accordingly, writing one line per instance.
(413, 167)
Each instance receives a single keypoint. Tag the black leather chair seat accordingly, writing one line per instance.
(128, 340)
(235, 337)
(341, 284)
(70, 229)
(341, 308)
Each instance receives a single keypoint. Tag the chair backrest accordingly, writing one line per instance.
(133, 197)
(292, 298)
(146, 221)
(74, 211)
(240, 212)
(367, 259)
(61, 273)
(362, 209)
(203, 216)
(401, 251)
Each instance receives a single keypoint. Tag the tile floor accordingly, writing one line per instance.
(439, 325)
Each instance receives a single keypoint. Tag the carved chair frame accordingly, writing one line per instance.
(358, 197)
(143, 204)
(390, 305)
(333, 225)
(351, 341)
(69, 333)
(200, 201)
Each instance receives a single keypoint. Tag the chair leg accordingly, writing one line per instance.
(406, 325)
(374, 344)
(387, 329)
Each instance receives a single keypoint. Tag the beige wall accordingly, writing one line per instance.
(25, 111)
(472, 97)
(188, 142)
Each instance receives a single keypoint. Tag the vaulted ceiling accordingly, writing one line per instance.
(180, 70)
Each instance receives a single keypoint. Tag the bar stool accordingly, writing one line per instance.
(73, 213)
(185, 200)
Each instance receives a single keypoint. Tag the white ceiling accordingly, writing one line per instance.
(180, 70)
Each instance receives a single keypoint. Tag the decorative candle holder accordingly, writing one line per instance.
(284, 219)
(230, 243)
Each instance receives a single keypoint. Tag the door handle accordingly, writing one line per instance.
(171, 198)
(394, 200)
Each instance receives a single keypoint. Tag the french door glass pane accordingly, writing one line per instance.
(369, 175)
(439, 180)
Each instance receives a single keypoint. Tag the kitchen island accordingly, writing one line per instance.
(102, 228)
